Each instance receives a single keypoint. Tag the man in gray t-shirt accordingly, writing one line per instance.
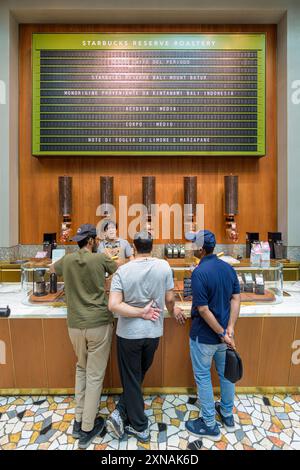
(136, 287)
(141, 281)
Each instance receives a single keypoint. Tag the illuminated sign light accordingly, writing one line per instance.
(148, 94)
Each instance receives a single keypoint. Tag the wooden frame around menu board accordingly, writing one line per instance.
(148, 94)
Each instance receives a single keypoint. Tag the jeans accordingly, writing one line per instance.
(202, 356)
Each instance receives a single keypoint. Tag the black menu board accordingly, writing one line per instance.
(148, 94)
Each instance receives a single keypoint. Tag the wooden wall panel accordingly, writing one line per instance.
(60, 357)
(248, 342)
(275, 356)
(38, 177)
(6, 370)
(295, 368)
(29, 353)
(177, 366)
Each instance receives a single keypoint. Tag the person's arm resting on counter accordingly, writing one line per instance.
(173, 310)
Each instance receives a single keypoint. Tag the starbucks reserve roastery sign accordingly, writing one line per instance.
(148, 94)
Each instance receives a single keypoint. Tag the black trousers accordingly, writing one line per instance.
(135, 356)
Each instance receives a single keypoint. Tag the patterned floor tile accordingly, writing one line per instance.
(263, 422)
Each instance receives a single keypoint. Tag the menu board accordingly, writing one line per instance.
(148, 94)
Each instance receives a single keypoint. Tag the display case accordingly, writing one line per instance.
(260, 284)
(37, 283)
(37, 286)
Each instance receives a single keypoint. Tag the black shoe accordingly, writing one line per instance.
(87, 437)
(195, 445)
(228, 422)
(76, 429)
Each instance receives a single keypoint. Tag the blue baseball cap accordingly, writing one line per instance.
(84, 231)
(202, 238)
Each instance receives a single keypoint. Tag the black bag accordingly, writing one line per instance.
(233, 366)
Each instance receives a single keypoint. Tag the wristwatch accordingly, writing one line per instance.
(222, 334)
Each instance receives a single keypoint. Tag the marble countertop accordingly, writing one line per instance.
(12, 295)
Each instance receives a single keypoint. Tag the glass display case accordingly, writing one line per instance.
(260, 284)
(35, 277)
(38, 285)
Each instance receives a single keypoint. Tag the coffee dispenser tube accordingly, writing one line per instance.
(231, 207)
(106, 192)
(148, 192)
(65, 195)
(190, 193)
(231, 194)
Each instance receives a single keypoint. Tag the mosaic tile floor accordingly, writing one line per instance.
(45, 422)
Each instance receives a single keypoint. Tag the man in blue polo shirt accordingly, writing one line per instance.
(215, 309)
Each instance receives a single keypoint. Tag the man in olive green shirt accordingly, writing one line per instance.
(90, 325)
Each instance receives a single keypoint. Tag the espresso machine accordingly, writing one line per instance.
(49, 243)
(276, 245)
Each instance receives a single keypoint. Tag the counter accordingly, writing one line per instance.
(11, 294)
(39, 355)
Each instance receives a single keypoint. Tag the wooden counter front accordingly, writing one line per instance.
(39, 356)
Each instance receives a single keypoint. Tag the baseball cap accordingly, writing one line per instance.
(84, 231)
(202, 238)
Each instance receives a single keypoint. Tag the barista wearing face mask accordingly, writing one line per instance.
(112, 245)
(90, 325)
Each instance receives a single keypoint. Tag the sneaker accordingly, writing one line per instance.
(195, 445)
(86, 438)
(143, 436)
(76, 429)
(115, 424)
(227, 421)
(198, 428)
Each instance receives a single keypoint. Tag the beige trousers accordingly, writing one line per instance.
(92, 348)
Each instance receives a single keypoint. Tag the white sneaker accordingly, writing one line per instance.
(143, 436)
(115, 425)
